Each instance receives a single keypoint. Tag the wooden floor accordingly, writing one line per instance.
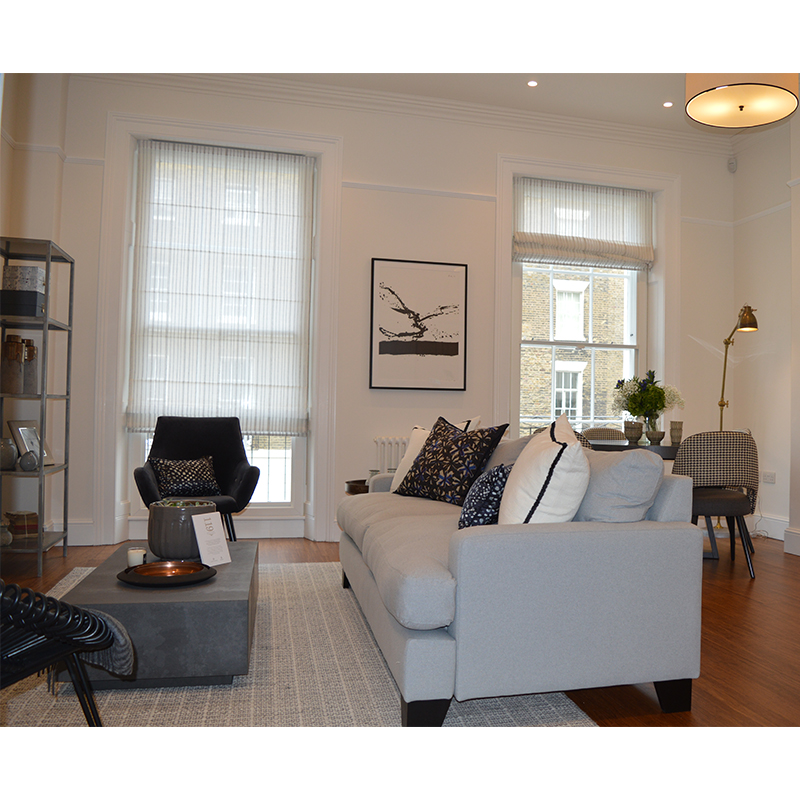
(750, 671)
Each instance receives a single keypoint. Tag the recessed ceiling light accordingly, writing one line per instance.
(668, 104)
(533, 83)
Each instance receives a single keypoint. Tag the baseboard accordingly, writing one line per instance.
(791, 542)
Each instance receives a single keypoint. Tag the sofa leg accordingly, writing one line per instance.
(674, 695)
(345, 581)
(424, 713)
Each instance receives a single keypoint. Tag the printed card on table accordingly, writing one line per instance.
(211, 540)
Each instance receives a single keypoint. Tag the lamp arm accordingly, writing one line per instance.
(722, 401)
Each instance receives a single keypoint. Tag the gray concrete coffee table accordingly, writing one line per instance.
(183, 635)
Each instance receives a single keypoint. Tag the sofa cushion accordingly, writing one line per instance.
(507, 452)
(622, 486)
(549, 479)
(482, 503)
(357, 513)
(415, 442)
(408, 557)
(449, 462)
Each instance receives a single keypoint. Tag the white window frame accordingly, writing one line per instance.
(658, 291)
(569, 368)
(117, 507)
(564, 323)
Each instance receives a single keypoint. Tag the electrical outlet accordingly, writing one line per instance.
(768, 477)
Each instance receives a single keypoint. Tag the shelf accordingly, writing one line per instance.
(50, 469)
(32, 323)
(30, 544)
(37, 397)
(50, 256)
(33, 250)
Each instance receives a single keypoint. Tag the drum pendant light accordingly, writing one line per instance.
(740, 101)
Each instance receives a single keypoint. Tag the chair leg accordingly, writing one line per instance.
(714, 554)
(227, 520)
(744, 535)
(732, 533)
(83, 689)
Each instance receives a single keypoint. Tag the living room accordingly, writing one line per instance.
(419, 178)
(409, 177)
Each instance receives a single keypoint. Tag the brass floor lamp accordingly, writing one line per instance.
(745, 322)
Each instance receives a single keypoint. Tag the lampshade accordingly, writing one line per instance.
(739, 100)
(747, 320)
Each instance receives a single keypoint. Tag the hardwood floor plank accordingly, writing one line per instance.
(750, 644)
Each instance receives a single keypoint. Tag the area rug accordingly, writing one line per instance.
(314, 664)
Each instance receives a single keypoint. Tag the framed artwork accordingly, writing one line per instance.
(418, 325)
(26, 437)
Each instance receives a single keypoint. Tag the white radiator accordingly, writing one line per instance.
(390, 451)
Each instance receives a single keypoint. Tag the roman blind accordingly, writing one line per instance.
(221, 286)
(583, 225)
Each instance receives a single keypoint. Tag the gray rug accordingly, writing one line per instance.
(314, 664)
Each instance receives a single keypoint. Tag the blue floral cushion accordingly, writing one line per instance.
(449, 462)
(482, 504)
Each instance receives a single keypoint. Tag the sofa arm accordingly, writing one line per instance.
(554, 607)
(381, 482)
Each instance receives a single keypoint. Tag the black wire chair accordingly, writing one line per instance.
(39, 631)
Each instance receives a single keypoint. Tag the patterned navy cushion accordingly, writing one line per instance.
(194, 478)
(482, 503)
(449, 462)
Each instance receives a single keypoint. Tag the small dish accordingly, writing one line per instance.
(167, 573)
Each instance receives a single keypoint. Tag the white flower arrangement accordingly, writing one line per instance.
(645, 398)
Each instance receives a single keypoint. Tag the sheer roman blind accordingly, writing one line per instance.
(221, 287)
(582, 225)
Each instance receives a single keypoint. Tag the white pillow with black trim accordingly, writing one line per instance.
(415, 443)
(549, 478)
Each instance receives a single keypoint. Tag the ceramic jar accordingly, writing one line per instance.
(8, 454)
(170, 530)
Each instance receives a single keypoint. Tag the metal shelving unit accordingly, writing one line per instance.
(45, 252)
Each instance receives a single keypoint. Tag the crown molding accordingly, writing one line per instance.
(264, 87)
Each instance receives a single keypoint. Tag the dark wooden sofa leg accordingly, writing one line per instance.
(675, 695)
(345, 582)
(424, 713)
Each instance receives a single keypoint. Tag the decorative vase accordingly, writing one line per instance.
(633, 431)
(654, 437)
(170, 530)
(675, 432)
(8, 454)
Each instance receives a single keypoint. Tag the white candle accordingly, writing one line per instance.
(136, 556)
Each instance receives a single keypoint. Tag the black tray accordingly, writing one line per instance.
(167, 573)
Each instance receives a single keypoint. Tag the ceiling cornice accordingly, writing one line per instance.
(270, 88)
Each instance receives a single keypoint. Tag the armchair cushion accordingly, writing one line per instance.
(186, 478)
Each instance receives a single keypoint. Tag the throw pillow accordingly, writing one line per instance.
(622, 486)
(482, 503)
(415, 443)
(191, 478)
(449, 462)
(549, 479)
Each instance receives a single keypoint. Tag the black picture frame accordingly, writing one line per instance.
(418, 325)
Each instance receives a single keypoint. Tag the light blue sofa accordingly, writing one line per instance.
(499, 610)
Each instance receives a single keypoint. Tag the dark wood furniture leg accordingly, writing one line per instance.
(674, 695)
(424, 713)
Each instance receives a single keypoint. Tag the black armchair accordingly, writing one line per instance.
(190, 438)
(39, 631)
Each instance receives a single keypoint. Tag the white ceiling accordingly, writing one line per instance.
(625, 98)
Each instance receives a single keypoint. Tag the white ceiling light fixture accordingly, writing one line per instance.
(739, 100)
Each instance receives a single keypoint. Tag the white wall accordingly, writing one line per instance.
(418, 182)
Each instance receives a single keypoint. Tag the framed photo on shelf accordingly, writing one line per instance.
(26, 437)
(418, 325)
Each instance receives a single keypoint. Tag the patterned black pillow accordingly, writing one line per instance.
(482, 503)
(449, 462)
(194, 478)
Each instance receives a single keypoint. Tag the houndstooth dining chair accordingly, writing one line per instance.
(723, 466)
(603, 434)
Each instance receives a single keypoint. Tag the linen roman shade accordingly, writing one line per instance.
(221, 286)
